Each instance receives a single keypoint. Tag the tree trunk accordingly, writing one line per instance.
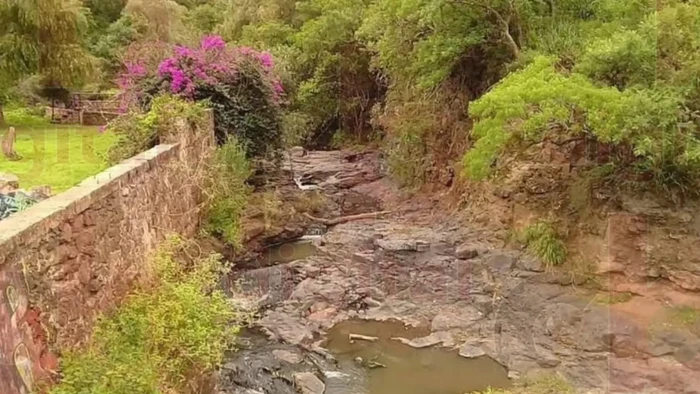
(2, 116)
(8, 145)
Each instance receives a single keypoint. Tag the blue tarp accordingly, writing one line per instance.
(14, 202)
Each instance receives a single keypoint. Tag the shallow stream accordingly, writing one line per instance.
(395, 368)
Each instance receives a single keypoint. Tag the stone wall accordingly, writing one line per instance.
(74, 256)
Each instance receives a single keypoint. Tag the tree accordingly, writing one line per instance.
(161, 19)
(42, 37)
(105, 12)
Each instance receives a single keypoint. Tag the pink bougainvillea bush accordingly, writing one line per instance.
(239, 84)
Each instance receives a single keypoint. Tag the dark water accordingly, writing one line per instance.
(412, 371)
(287, 252)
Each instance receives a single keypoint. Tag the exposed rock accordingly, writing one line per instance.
(500, 300)
(446, 320)
(39, 193)
(285, 355)
(530, 263)
(252, 229)
(468, 251)
(500, 262)
(471, 350)
(397, 245)
(282, 326)
(8, 182)
(308, 383)
(685, 279)
(436, 338)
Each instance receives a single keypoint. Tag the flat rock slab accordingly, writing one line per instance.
(463, 318)
(309, 383)
(436, 338)
(471, 350)
(284, 355)
(397, 245)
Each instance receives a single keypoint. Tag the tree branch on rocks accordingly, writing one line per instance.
(345, 219)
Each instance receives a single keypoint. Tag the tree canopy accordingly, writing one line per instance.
(430, 78)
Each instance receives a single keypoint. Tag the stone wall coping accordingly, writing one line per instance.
(40, 218)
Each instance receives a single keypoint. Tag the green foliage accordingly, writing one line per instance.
(246, 107)
(164, 337)
(544, 384)
(540, 102)
(227, 192)
(161, 20)
(45, 37)
(24, 117)
(137, 132)
(109, 43)
(625, 59)
(543, 241)
(421, 40)
(328, 81)
(45, 147)
(105, 12)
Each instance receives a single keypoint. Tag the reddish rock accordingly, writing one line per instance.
(48, 361)
(66, 232)
(324, 315)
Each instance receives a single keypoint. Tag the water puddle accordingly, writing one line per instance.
(287, 252)
(395, 368)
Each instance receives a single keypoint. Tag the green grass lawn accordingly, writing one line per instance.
(57, 155)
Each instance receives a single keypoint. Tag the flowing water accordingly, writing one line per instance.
(401, 369)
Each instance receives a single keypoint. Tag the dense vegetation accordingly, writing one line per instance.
(166, 335)
(443, 86)
(438, 82)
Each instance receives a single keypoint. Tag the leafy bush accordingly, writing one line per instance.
(543, 241)
(172, 331)
(540, 102)
(238, 83)
(22, 116)
(137, 132)
(227, 192)
(625, 59)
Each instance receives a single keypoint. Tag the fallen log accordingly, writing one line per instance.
(345, 219)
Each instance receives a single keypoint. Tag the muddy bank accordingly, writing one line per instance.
(429, 270)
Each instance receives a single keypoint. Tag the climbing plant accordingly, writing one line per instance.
(239, 84)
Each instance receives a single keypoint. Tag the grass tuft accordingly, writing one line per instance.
(543, 241)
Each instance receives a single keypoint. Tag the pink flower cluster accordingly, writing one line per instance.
(187, 68)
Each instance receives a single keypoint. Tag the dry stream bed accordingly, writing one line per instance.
(414, 302)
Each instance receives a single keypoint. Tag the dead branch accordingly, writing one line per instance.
(345, 219)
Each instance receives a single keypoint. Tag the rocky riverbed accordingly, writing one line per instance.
(427, 269)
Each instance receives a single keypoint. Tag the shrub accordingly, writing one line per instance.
(539, 102)
(172, 331)
(227, 192)
(625, 59)
(137, 132)
(22, 116)
(543, 241)
(238, 83)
